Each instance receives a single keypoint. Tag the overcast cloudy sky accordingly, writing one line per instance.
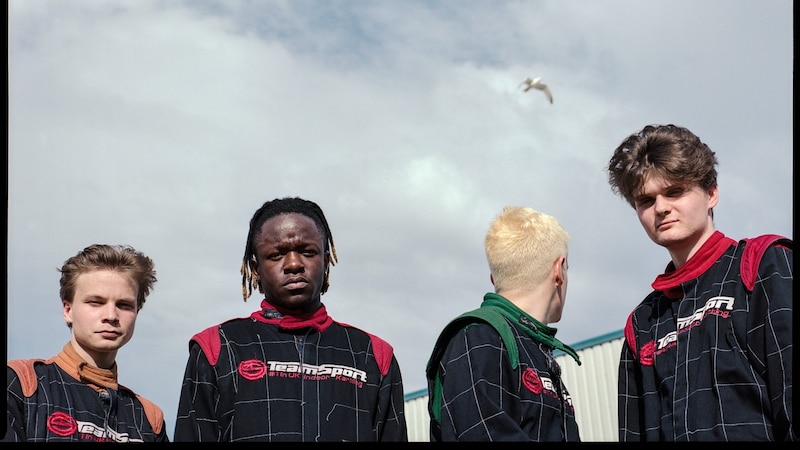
(166, 124)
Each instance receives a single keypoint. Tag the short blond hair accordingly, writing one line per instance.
(521, 246)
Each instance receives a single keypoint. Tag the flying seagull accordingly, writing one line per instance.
(536, 83)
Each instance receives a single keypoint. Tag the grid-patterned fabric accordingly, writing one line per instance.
(272, 384)
(716, 363)
(63, 409)
(485, 399)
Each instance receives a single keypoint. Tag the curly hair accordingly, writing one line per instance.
(670, 151)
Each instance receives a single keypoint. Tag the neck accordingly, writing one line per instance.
(537, 302)
(537, 330)
(102, 360)
(77, 367)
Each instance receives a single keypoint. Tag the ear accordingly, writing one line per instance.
(713, 197)
(491, 279)
(558, 270)
(67, 311)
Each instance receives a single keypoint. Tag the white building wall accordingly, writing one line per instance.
(417, 418)
(592, 385)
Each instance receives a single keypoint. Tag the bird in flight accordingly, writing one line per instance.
(536, 83)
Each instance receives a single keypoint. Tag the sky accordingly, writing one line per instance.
(166, 124)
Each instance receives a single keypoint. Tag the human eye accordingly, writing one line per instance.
(676, 191)
(643, 202)
(127, 305)
(272, 255)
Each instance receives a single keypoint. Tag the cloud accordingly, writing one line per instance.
(166, 125)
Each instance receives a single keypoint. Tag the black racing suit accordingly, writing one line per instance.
(278, 377)
(705, 359)
(74, 401)
(479, 389)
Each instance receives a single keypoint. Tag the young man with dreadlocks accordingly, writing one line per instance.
(492, 375)
(75, 396)
(289, 372)
(708, 353)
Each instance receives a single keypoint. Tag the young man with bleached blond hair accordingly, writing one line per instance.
(492, 375)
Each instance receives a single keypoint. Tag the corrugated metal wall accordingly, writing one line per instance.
(593, 386)
(417, 419)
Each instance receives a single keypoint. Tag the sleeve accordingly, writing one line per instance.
(478, 389)
(15, 409)
(391, 408)
(198, 402)
(629, 411)
(770, 334)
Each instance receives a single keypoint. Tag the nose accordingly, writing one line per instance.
(293, 262)
(110, 312)
(662, 206)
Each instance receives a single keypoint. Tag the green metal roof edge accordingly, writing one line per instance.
(416, 394)
(603, 338)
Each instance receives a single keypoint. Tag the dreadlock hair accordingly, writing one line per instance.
(275, 208)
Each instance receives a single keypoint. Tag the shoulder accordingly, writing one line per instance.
(486, 330)
(383, 351)
(373, 338)
(482, 341)
(477, 328)
(483, 319)
(756, 249)
(209, 342)
(25, 371)
(481, 325)
(154, 414)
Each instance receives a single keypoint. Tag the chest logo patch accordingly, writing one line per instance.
(252, 369)
(532, 381)
(62, 424)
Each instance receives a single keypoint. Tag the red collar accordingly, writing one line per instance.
(289, 320)
(670, 281)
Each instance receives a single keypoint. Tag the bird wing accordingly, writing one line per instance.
(536, 83)
(549, 94)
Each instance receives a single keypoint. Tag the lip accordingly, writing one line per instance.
(295, 283)
(666, 224)
(109, 334)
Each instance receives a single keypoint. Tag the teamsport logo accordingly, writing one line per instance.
(62, 424)
(532, 381)
(717, 306)
(254, 369)
(538, 384)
